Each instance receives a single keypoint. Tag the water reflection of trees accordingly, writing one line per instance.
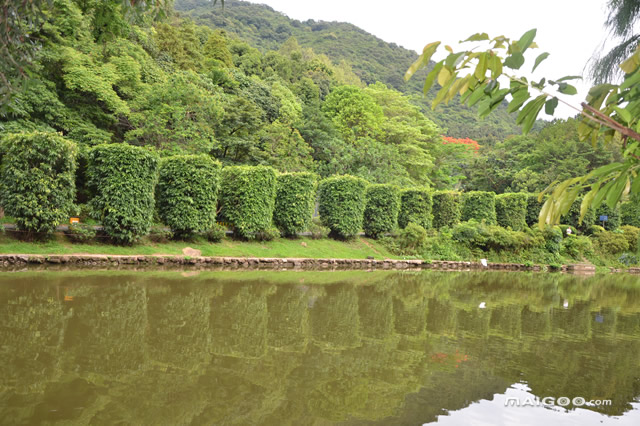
(162, 349)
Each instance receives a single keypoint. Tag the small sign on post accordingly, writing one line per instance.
(603, 219)
(73, 220)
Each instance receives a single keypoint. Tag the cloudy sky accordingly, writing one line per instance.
(570, 30)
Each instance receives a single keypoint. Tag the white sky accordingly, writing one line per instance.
(570, 30)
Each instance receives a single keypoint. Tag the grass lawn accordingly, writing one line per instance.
(359, 248)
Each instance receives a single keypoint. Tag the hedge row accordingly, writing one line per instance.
(122, 179)
(381, 210)
(341, 202)
(247, 197)
(480, 206)
(37, 187)
(511, 210)
(37, 183)
(187, 193)
(295, 202)
(416, 206)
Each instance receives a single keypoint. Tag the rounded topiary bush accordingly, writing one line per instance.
(187, 193)
(511, 210)
(479, 205)
(381, 210)
(37, 180)
(247, 198)
(446, 208)
(122, 179)
(295, 202)
(341, 204)
(416, 205)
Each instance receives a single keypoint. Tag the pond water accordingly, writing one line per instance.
(356, 348)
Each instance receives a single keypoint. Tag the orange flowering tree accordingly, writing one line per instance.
(466, 141)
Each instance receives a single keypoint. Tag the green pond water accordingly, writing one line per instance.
(318, 348)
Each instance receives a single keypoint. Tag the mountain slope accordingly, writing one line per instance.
(371, 58)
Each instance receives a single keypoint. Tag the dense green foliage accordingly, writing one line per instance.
(247, 198)
(416, 206)
(573, 217)
(446, 208)
(360, 57)
(295, 202)
(37, 180)
(480, 206)
(381, 210)
(511, 210)
(341, 204)
(121, 179)
(187, 193)
(630, 211)
(533, 209)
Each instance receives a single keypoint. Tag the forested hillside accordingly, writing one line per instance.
(371, 58)
(254, 87)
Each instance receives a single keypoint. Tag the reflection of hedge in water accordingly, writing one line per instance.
(375, 309)
(339, 375)
(288, 323)
(32, 326)
(178, 318)
(441, 317)
(107, 329)
(506, 321)
(475, 322)
(410, 307)
(536, 323)
(368, 382)
(239, 320)
(574, 322)
(335, 322)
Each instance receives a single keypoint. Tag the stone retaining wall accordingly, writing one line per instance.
(20, 261)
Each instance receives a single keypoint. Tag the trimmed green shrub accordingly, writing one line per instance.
(553, 239)
(341, 204)
(187, 193)
(381, 210)
(416, 205)
(215, 234)
(573, 215)
(511, 210)
(295, 202)
(247, 197)
(611, 242)
(412, 238)
(630, 211)
(479, 205)
(80, 233)
(37, 180)
(613, 220)
(492, 237)
(158, 234)
(269, 234)
(318, 231)
(533, 209)
(122, 179)
(577, 246)
(632, 234)
(446, 208)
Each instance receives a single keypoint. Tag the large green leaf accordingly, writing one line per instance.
(514, 61)
(526, 40)
(541, 57)
(423, 60)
